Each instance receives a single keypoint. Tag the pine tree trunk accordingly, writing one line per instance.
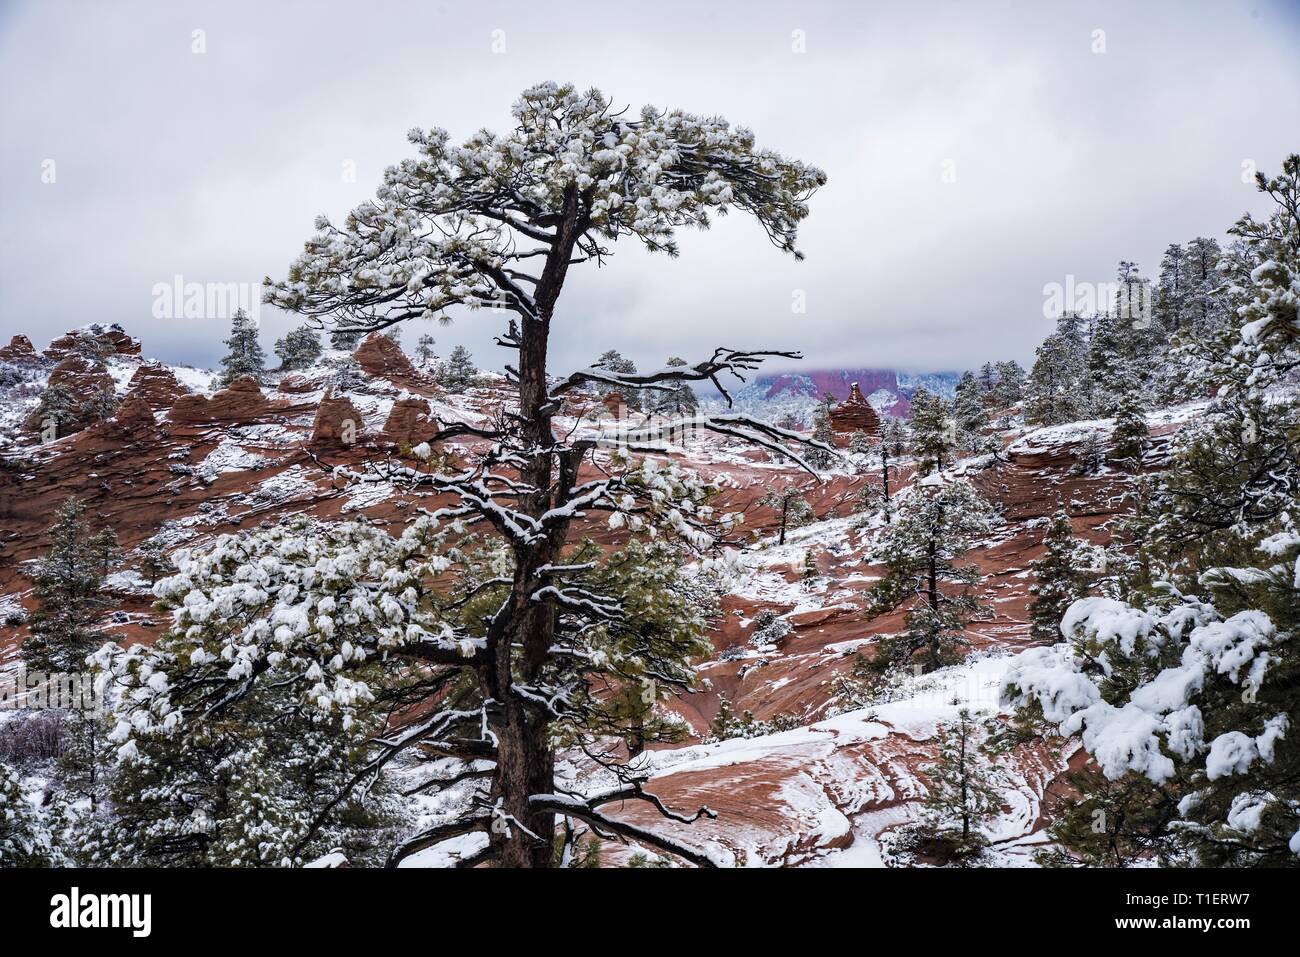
(933, 597)
(525, 758)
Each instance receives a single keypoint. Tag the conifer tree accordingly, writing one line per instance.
(962, 795)
(1058, 388)
(1129, 440)
(67, 587)
(458, 373)
(1059, 580)
(244, 355)
(106, 548)
(820, 456)
(299, 348)
(933, 432)
(921, 551)
(424, 350)
(154, 563)
(677, 398)
(1010, 385)
(20, 832)
(346, 339)
(792, 509)
(968, 412)
(1188, 682)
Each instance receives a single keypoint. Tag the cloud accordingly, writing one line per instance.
(213, 165)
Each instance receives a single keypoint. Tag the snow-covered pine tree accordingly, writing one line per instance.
(891, 444)
(1060, 580)
(106, 548)
(1203, 306)
(298, 348)
(792, 509)
(1110, 362)
(1170, 307)
(921, 551)
(424, 350)
(154, 563)
(678, 398)
(614, 361)
(1058, 388)
(1010, 387)
(988, 379)
(500, 221)
(67, 586)
(968, 411)
(821, 455)
(933, 432)
(20, 830)
(1130, 438)
(962, 796)
(1190, 682)
(458, 373)
(346, 339)
(860, 450)
(1090, 455)
(58, 413)
(244, 355)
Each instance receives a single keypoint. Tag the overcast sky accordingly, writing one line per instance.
(212, 165)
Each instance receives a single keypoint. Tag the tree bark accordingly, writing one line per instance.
(520, 648)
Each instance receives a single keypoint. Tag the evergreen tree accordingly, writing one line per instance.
(921, 552)
(154, 563)
(424, 350)
(677, 398)
(1059, 580)
(299, 348)
(968, 411)
(1010, 386)
(1110, 368)
(1058, 388)
(933, 432)
(1203, 305)
(106, 548)
(1129, 440)
(611, 360)
(346, 340)
(1186, 687)
(1090, 457)
(892, 444)
(792, 509)
(244, 355)
(859, 449)
(20, 831)
(458, 373)
(962, 797)
(67, 587)
(816, 457)
(1171, 310)
(988, 379)
(58, 413)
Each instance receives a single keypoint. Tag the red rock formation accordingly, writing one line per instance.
(156, 386)
(409, 423)
(20, 352)
(135, 415)
(85, 379)
(295, 384)
(381, 357)
(855, 414)
(241, 401)
(337, 422)
(94, 340)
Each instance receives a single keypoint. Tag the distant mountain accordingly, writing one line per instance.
(778, 395)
